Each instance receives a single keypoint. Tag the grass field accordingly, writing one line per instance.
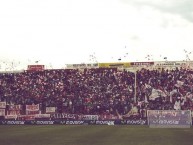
(93, 135)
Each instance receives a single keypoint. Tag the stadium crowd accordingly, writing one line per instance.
(106, 91)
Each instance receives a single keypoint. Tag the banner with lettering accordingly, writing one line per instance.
(142, 63)
(13, 112)
(2, 104)
(35, 67)
(12, 122)
(32, 107)
(26, 117)
(64, 115)
(15, 107)
(42, 116)
(76, 66)
(90, 117)
(170, 63)
(2, 112)
(50, 109)
(114, 65)
(11, 117)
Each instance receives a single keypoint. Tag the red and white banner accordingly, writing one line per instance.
(50, 109)
(2, 112)
(2, 104)
(14, 107)
(32, 112)
(42, 116)
(35, 67)
(13, 112)
(32, 107)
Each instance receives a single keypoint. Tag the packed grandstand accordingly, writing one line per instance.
(104, 91)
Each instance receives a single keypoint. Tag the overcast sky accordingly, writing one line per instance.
(60, 32)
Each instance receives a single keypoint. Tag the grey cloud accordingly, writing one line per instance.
(183, 8)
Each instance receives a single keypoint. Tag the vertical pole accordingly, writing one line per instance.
(190, 117)
(147, 116)
(135, 99)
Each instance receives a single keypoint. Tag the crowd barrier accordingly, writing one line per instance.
(75, 122)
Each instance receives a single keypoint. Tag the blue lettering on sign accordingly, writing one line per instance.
(74, 122)
(136, 122)
(45, 122)
(105, 122)
(15, 122)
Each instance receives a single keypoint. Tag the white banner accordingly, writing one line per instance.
(2, 112)
(75, 66)
(10, 116)
(170, 63)
(32, 107)
(2, 104)
(26, 117)
(42, 116)
(50, 109)
(90, 117)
